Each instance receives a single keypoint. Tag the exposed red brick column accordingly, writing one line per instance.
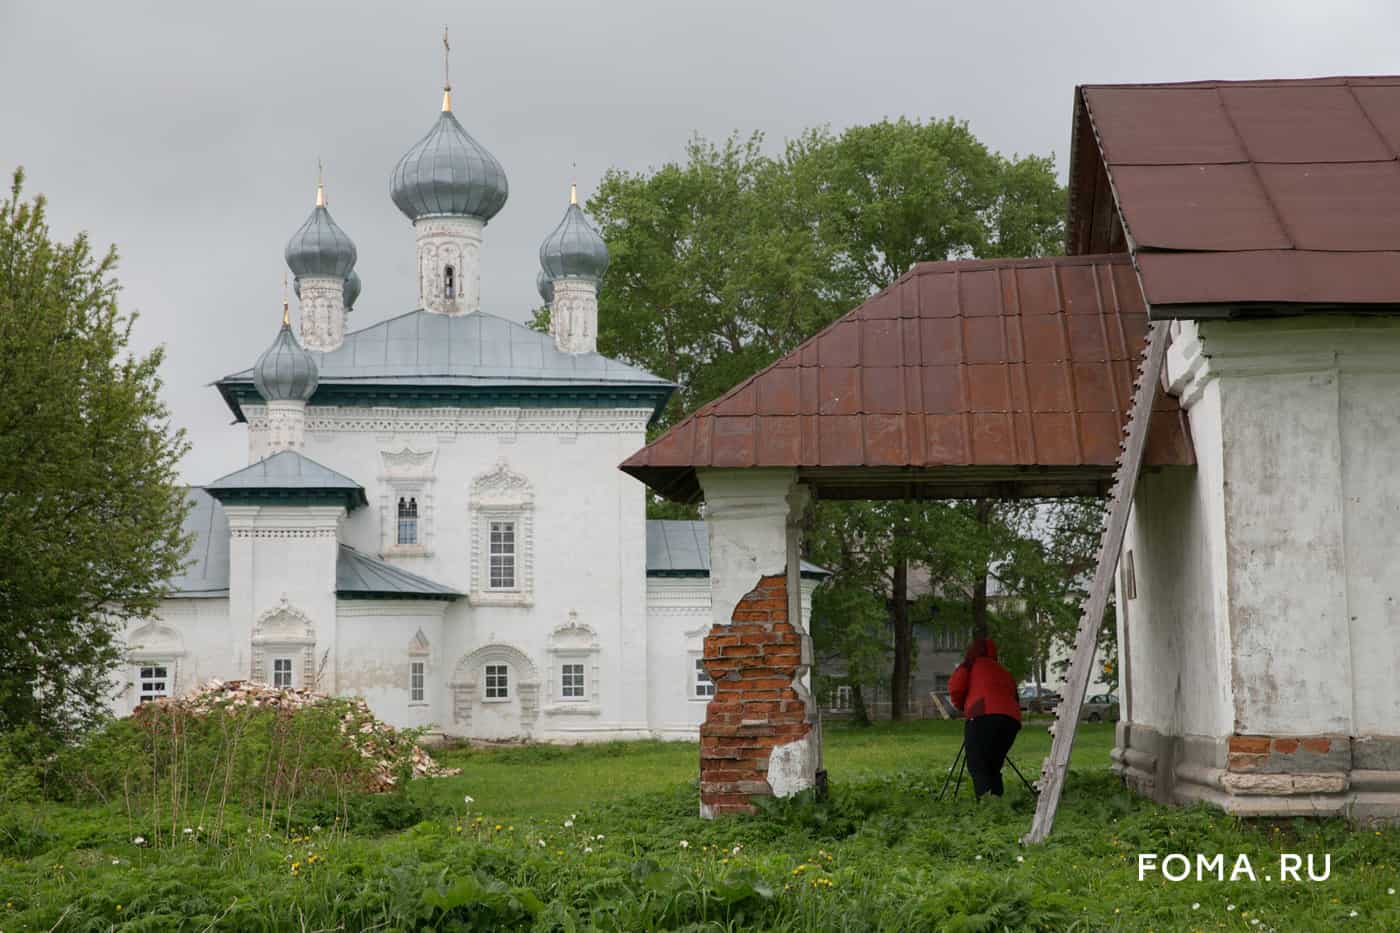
(754, 663)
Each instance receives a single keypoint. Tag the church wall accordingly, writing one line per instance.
(188, 636)
(585, 561)
(377, 641)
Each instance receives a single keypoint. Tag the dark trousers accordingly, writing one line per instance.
(987, 739)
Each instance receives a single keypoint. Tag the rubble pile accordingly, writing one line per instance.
(383, 745)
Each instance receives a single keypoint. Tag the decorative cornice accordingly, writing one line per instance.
(242, 398)
(390, 608)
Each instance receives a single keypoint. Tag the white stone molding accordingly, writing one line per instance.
(289, 533)
(449, 242)
(406, 473)
(524, 683)
(500, 494)
(284, 629)
(419, 646)
(390, 609)
(286, 426)
(322, 301)
(679, 596)
(573, 643)
(573, 315)
(450, 422)
(155, 641)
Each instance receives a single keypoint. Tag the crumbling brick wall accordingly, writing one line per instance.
(756, 708)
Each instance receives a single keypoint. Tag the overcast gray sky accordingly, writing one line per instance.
(187, 133)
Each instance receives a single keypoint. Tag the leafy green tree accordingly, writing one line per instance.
(90, 511)
(726, 261)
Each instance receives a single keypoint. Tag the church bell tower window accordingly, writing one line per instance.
(449, 283)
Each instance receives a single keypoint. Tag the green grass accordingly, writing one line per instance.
(882, 854)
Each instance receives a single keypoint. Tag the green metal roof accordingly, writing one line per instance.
(682, 549)
(478, 359)
(359, 576)
(288, 478)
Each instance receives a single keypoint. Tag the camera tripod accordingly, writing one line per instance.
(960, 765)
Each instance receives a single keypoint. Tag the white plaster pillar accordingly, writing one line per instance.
(573, 315)
(322, 301)
(449, 263)
(283, 555)
(754, 522)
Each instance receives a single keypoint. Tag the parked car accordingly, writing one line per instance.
(1043, 702)
(1102, 707)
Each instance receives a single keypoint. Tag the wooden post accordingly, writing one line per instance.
(1052, 775)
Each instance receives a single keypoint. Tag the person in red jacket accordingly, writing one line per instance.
(986, 693)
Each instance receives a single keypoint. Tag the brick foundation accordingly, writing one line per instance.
(754, 663)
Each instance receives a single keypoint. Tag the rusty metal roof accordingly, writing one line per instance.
(1245, 196)
(966, 378)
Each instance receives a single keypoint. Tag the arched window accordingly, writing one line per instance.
(449, 283)
(408, 520)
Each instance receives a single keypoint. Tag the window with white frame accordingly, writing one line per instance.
(704, 686)
(497, 682)
(571, 686)
(282, 672)
(408, 521)
(417, 671)
(406, 502)
(153, 682)
(502, 510)
(502, 556)
(841, 698)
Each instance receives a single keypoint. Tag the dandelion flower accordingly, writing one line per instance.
(684, 844)
(498, 827)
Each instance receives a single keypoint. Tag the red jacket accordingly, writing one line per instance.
(980, 686)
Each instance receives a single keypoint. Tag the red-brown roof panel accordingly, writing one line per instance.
(982, 375)
(1165, 126)
(1245, 197)
(1197, 207)
(1337, 205)
(1291, 123)
(1281, 276)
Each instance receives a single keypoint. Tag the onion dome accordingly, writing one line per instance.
(545, 285)
(285, 371)
(352, 289)
(574, 249)
(320, 247)
(449, 172)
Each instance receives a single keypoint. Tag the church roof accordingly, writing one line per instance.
(428, 356)
(290, 477)
(205, 575)
(682, 549)
(359, 576)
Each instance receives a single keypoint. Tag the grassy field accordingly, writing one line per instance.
(607, 837)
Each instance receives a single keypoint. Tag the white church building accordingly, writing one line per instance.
(432, 515)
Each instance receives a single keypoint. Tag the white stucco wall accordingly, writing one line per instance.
(1267, 600)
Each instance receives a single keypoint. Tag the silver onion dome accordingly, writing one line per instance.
(449, 172)
(574, 249)
(320, 247)
(545, 286)
(285, 371)
(352, 289)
